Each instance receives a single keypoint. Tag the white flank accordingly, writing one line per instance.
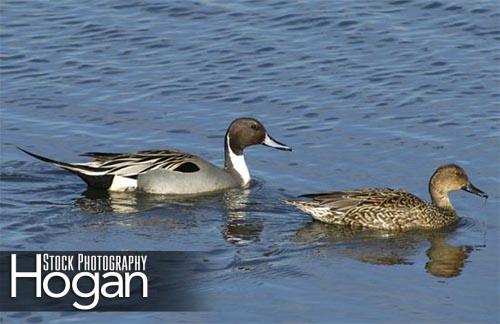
(123, 184)
(239, 164)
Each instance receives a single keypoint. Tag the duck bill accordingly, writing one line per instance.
(269, 141)
(472, 189)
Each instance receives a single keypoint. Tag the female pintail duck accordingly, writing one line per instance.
(170, 171)
(389, 209)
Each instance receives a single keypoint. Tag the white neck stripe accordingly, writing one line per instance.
(238, 163)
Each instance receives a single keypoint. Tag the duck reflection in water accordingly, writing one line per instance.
(174, 212)
(389, 248)
(239, 228)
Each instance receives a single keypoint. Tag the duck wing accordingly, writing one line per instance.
(380, 198)
(133, 164)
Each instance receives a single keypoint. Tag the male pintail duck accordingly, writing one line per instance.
(170, 171)
(389, 209)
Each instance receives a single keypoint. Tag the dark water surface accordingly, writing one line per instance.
(367, 94)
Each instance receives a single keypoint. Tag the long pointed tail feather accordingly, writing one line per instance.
(75, 168)
(94, 177)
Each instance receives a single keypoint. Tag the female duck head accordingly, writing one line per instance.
(448, 178)
(244, 132)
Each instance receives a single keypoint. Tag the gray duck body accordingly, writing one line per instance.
(170, 171)
(207, 179)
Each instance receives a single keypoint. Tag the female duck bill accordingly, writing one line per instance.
(271, 142)
(475, 190)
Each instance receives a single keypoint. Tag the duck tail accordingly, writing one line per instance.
(74, 168)
(93, 176)
(308, 207)
(290, 202)
(300, 204)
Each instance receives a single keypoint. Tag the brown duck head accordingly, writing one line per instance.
(245, 132)
(450, 177)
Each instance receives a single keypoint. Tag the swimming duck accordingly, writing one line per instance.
(170, 171)
(390, 209)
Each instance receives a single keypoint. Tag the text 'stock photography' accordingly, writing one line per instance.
(242, 161)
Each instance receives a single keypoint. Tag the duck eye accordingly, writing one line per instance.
(254, 127)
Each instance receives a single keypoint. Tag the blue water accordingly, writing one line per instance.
(367, 94)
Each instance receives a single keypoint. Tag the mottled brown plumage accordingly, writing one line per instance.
(391, 209)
